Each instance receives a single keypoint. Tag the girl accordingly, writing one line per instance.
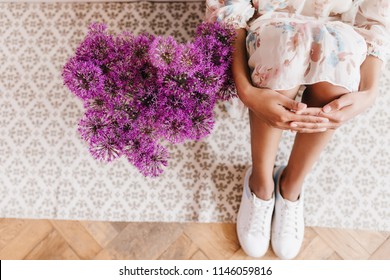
(335, 50)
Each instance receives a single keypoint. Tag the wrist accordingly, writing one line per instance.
(370, 73)
(244, 92)
(371, 94)
(252, 96)
(371, 89)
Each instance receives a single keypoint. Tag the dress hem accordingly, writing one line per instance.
(311, 83)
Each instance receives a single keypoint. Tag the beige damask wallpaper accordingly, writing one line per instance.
(47, 172)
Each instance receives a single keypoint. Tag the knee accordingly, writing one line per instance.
(290, 93)
(320, 94)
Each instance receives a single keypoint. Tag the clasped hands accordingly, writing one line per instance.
(284, 113)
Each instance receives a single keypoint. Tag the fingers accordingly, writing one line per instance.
(335, 118)
(307, 130)
(305, 122)
(303, 114)
(304, 127)
(302, 123)
(312, 127)
(338, 104)
(298, 106)
(334, 121)
(308, 118)
(313, 111)
(292, 105)
(309, 122)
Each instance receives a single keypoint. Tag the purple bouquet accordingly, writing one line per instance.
(139, 91)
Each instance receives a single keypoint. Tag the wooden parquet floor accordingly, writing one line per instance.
(54, 239)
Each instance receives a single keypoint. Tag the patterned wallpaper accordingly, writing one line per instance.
(47, 172)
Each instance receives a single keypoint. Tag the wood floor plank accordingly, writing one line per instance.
(199, 255)
(182, 249)
(9, 229)
(42, 239)
(102, 232)
(342, 242)
(241, 255)
(386, 234)
(53, 247)
(270, 255)
(317, 249)
(142, 241)
(370, 240)
(29, 236)
(217, 241)
(383, 252)
(119, 226)
(334, 256)
(310, 234)
(78, 238)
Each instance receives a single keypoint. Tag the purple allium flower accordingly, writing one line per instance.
(83, 78)
(228, 89)
(151, 161)
(191, 58)
(142, 91)
(140, 51)
(164, 52)
(176, 127)
(106, 149)
(97, 27)
(122, 79)
(202, 124)
(94, 125)
(98, 46)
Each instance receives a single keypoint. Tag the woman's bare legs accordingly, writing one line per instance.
(264, 144)
(308, 147)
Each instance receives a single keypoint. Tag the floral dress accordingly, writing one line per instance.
(300, 42)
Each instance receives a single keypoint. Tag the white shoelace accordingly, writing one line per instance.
(289, 220)
(257, 218)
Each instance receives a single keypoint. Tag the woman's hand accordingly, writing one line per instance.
(351, 104)
(280, 111)
(341, 109)
(347, 106)
(274, 108)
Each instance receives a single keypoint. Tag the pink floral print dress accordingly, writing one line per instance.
(299, 42)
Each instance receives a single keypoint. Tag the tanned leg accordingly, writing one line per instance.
(308, 146)
(264, 144)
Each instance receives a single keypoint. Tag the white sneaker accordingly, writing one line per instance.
(254, 221)
(288, 225)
